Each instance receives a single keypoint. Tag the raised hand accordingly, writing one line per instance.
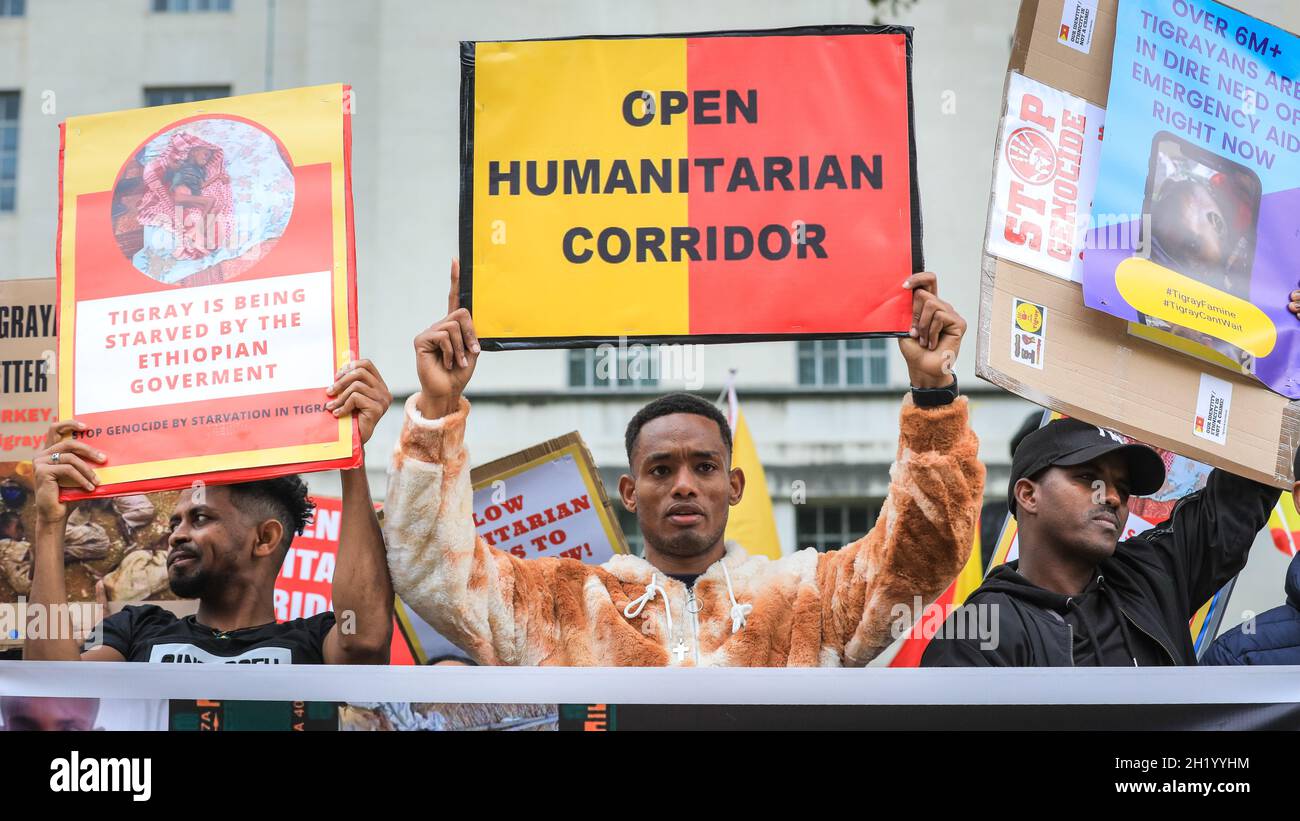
(358, 388)
(64, 462)
(934, 341)
(445, 355)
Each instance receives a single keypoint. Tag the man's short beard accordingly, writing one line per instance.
(191, 586)
(1084, 550)
(689, 543)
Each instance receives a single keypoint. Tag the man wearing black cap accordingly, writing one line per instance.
(1077, 596)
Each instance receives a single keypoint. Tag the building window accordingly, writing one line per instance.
(830, 527)
(843, 362)
(8, 149)
(12, 8)
(183, 94)
(631, 529)
(610, 368)
(182, 6)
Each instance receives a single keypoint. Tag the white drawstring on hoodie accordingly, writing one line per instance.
(638, 604)
(738, 611)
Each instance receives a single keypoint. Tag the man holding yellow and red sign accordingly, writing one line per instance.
(694, 599)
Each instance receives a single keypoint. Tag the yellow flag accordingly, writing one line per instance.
(972, 574)
(750, 523)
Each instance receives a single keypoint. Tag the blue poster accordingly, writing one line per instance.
(1196, 218)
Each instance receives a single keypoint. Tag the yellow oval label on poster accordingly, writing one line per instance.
(1166, 294)
(1028, 317)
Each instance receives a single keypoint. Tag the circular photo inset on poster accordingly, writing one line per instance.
(202, 202)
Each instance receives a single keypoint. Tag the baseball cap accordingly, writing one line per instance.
(1066, 442)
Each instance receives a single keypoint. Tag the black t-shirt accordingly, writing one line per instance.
(150, 633)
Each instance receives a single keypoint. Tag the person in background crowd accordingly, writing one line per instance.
(994, 514)
(1273, 637)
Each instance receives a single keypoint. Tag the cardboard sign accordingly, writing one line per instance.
(1198, 206)
(1048, 156)
(207, 287)
(714, 187)
(547, 500)
(28, 339)
(1093, 368)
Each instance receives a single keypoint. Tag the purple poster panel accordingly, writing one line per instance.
(1196, 218)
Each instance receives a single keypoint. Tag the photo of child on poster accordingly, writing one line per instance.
(1196, 218)
(203, 201)
(1202, 218)
(1204, 210)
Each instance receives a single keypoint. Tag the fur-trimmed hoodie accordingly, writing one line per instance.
(806, 609)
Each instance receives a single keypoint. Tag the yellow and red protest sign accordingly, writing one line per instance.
(714, 187)
(305, 586)
(207, 287)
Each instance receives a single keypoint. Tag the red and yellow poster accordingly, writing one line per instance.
(305, 586)
(207, 287)
(717, 187)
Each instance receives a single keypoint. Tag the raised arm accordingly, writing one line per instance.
(363, 593)
(496, 607)
(68, 462)
(1207, 538)
(924, 534)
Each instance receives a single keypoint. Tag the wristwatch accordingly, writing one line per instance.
(935, 397)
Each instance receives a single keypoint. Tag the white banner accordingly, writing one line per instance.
(654, 685)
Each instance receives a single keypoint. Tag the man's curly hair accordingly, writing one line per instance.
(283, 498)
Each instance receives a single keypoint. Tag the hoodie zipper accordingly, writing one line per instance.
(1132, 621)
(1148, 635)
(695, 622)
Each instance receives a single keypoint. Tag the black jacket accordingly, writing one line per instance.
(1157, 579)
(1274, 637)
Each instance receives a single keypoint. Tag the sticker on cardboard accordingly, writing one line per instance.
(1213, 402)
(1028, 333)
(1078, 19)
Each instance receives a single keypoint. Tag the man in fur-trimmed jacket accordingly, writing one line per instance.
(693, 599)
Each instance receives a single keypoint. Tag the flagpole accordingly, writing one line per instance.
(729, 394)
